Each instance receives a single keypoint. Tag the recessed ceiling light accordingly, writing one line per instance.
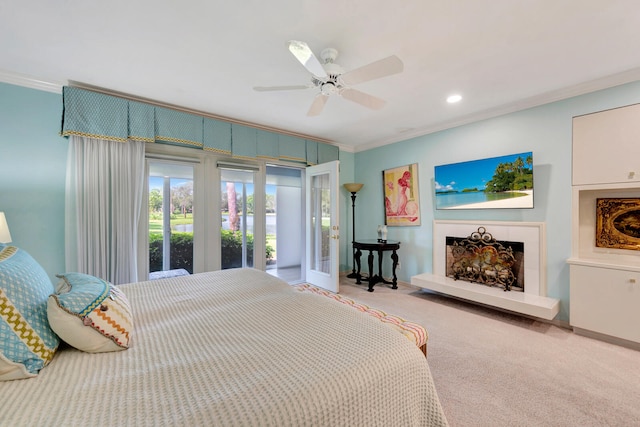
(452, 99)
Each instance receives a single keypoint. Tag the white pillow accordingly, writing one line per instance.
(90, 314)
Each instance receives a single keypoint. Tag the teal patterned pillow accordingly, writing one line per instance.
(27, 343)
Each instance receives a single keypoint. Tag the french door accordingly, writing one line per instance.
(206, 213)
(238, 217)
(322, 226)
(171, 207)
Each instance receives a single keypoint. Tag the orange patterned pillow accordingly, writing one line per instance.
(90, 314)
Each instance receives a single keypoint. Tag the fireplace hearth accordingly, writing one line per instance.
(533, 299)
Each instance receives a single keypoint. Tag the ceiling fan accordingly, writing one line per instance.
(331, 79)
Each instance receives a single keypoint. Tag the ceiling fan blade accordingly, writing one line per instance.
(317, 105)
(375, 70)
(362, 98)
(305, 55)
(271, 88)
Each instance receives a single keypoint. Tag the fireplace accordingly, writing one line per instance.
(480, 258)
(524, 241)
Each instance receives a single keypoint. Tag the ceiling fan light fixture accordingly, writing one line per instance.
(328, 88)
(331, 79)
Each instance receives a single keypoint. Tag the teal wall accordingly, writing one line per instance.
(33, 168)
(32, 172)
(33, 163)
(347, 174)
(544, 130)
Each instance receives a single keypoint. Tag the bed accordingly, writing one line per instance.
(233, 347)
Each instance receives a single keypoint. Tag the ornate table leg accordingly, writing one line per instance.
(394, 257)
(371, 275)
(357, 259)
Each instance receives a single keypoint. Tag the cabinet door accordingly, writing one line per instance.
(606, 301)
(606, 146)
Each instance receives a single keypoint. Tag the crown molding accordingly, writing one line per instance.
(29, 81)
(534, 101)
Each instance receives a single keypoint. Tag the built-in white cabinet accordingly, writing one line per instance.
(605, 282)
(606, 146)
(606, 300)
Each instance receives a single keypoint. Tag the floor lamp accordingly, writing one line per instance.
(353, 188)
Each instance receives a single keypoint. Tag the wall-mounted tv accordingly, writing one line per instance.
(504, 182)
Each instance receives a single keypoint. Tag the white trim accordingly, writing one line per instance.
(30, 82)
(534, 101)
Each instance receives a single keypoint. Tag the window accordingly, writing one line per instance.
(204, 231)
(237, 210)
(171, 208)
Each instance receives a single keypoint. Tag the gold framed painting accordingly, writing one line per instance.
(401, 195)
(618, 223)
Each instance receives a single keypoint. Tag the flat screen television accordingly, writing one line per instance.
(504, 182)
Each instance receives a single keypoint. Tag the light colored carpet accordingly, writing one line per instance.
(497, 369)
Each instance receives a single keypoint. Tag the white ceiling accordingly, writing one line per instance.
(501, 55)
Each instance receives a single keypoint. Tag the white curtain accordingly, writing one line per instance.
(104, 190)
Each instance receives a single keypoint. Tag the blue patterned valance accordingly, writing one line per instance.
(312, 153)
(142, 122)
(243, 141)
(96, 115)
(176, 127)
(292, 149)
(327, 153)
(217, 136)
(267, 145)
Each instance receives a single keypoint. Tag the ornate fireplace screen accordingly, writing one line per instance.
(482, 259)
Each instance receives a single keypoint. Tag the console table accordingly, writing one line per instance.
(372, 245)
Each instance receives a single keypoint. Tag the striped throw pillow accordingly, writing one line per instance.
(90, 314)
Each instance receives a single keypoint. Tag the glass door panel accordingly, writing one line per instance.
(284, 205)
(322, 225)
(237, 218)
(170, 216)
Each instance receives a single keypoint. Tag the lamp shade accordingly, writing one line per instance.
(5, 236)
(353, 187)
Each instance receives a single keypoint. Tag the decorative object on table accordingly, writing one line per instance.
(5, 235)
(492, 183)
(401, 195)
(353, 188)
(618, 223)
(382, 233)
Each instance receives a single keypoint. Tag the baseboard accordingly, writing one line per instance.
(607, 338)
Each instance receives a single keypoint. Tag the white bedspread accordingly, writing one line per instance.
(234, 347)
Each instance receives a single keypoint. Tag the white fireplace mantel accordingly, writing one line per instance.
(533, 301)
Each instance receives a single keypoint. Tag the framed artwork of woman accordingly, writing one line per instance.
(401, 195)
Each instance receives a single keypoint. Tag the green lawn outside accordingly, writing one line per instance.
(155, 225)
